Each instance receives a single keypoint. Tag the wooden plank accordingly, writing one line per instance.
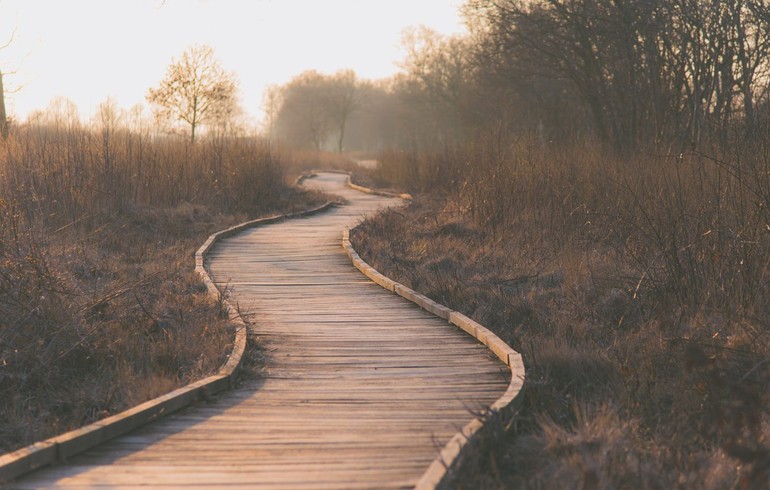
(360, 389)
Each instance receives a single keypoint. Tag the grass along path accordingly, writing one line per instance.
(360, 388)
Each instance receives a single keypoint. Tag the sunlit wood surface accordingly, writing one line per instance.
(361, 388)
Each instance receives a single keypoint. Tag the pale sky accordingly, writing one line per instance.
(88, 50)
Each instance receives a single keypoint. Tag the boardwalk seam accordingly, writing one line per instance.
(449, 454)
(59, 448)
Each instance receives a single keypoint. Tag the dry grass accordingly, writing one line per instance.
(99, 306)
(636, 289)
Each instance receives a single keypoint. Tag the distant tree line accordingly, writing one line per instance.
(627, 72)
(343, 112)
(313, 109)
(640, 70)
(195, 94)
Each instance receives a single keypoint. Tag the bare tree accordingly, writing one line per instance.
(313, 107)
(303, 119)
(107, 121)
(196, 90)
(60, 115)
(436, 83)
(303, 99)
(342, 101)
(3, 115)
(271, 104)
(3, 118)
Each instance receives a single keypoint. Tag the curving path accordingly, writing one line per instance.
(361, 388)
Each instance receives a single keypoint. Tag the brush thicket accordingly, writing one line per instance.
(636, 288)
(99, 306)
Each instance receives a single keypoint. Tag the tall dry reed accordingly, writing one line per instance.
(636, 286)
(99, 305)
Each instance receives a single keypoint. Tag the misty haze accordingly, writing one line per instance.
(364, 244)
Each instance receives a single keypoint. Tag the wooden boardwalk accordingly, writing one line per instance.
(361, 388)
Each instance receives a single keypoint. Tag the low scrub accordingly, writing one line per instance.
(636, 288)
(100, 308)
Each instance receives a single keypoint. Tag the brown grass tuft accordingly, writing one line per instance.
(99, 306)
(636, 288)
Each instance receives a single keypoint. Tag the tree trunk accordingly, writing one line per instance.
(3, 119)
(194, 122)
(342, 137)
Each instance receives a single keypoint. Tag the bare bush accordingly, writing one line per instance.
(636, 288)
(99, 306)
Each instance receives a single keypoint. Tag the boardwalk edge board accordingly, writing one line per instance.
(349, 183)
(440, 466)
(59, 448)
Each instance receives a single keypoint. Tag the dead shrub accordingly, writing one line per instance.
(636, 287)
(99, 306)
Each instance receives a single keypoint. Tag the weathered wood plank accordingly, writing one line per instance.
(360, 389)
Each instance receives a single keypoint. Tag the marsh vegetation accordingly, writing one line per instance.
(100, 308)
(592, 182)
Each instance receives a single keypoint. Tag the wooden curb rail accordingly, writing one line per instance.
(59, 448)
(451, 451)
(349, 183)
